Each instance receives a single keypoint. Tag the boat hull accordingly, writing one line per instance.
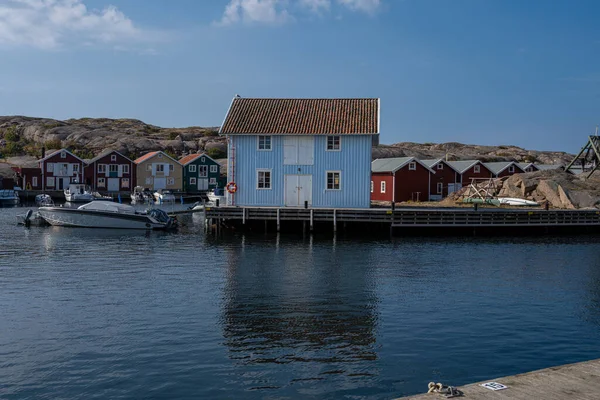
(79, 198)
(9, 202)
(59, 216)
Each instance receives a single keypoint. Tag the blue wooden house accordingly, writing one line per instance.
(288, 152)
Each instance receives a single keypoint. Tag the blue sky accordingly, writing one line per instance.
(471, 71)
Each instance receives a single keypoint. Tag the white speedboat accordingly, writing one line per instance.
(43, 200)
(78, 193)
(216, 194)
(9, 198)
(164, 197)
(104, 214)
(513, 201)
(141, 195)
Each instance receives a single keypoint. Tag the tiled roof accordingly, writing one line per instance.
(145, 157)
(394, 164)
(189, 158)
(302, 116)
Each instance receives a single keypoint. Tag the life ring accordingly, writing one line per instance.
(231, 187)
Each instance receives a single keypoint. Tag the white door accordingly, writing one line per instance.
(160, 183)
(202, 184)
(113, 184)
(298, 150)
(298, 189)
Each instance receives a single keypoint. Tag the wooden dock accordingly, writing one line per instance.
(404, 218)
(579, 381)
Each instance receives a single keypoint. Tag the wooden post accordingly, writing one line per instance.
(243, 215)
(311, 219)
(266, 226)
(334, 221)
(278, 221)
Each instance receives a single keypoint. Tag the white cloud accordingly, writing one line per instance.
(51, 24)
(276, 12)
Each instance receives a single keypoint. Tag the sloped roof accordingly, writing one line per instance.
(145, 157)
(545, 167)
(497, 167)
(394, 164)
(524, 165)
(58, 151)
(302, 116)
(431, 163)
(105, 153)
(462, 166)
(191, 157)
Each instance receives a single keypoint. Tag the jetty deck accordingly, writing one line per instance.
(566, 382)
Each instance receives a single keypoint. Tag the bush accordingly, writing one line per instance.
(53, 144)
(215, 153)
(173, 135)
(11, 134)
(12, 149)
(530, 158)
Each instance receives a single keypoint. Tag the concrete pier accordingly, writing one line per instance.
(566, 382)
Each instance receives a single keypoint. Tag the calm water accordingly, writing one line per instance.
(104, 314)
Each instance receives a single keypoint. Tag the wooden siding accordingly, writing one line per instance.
(377, 178)
(159, 158)
(92, 175)
(445, 176)
(506, 172)
(412, 184)
(60, 175)
(187, 175)
(471, 174)
(353, 161)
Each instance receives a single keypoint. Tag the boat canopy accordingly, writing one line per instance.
(108, 206)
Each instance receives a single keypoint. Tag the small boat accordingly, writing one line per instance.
(216, 194)
(43, 200)
(78, 193)
(9, 198)
(513, 201)
(104, 214)
(141, 195)
(164, 196)
(197, 206)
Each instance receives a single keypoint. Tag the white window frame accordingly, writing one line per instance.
(192, 168)
(412, 166)
(203, 168)
(339, 180)
(263, 146)
(50, 181)
(159, 155)
(113, 166)
(75, 168)
(382, 187)
(440, 166)
(113, 157)
(511, 169)
(171, 167)
(148, 167)
(440, 187)
(203, 159)
(213, 168)
(125, 183)
(212, 181)
(193, 181)
(148, 180)
(101, 182)
(170, 181)
(125, 168)
(50, 167)
(333, 148)
(34, 181)
(101, 168)
(371, 186)
(264, 170)
(63, 154)
(160, 168)
(477, 169)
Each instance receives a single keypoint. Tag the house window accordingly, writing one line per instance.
(50, 181)
(160, 168)
(477, 169)
(125, 183)
(263, 178)
(333, 180)
(333, 143)
(149, 180)
(511, 169)
(192, 181)
(50, 167)
(213, 168)
(125, 168)
(192, 168)
(63, 154)
(101, 182)
(371, 186)
(170, 181)
(113, 157)
(171, 167)
(212, 181)
(203, 171)
(264, 142)
(148, 167)
(159, 155)
(34, 182)
(113, 168)
(76, 168)
(440, 187)
(412, 166)
(203, 159)
(440, 166)
(382, 187)
(101, 168)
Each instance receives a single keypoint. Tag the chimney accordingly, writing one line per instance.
(43, 152)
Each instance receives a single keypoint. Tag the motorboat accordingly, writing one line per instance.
(141, 195)
(104, 214)
(513, 201)
(197, 206)
(9, 198)
(43, 200)
(164, 197)
(217, 194)
(78, 193)
(31, 218)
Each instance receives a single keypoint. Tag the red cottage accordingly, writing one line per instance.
(59, 169)
(110, 171)
(469, 170)
(400, 179)
(528, 167)
(30, 177)
(446, 179)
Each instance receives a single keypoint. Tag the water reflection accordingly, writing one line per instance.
(300, 304)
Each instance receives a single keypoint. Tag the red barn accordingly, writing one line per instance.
(504, 168)
(59, 169)
(446, 179)
(400, 179)
(110, 171)
(470, 169)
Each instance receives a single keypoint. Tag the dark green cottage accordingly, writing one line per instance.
(200, 173)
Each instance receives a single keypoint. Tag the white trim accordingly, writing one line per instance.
(511, 169)
(439, 187)
(440, 166)
(216, 167)
(339, 143)
(372, 185)
(113, 157)
(382, 186)
(123, 169)
(270, 178)
(227, 114)
(478, 170)
(56, 152)
(192, 168)
(270, 143)
(378, 116)
(193, 181)
(412, 166)
(327, 182)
